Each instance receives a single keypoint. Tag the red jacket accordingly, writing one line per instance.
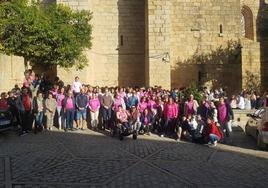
(4, 104)
(215, 130)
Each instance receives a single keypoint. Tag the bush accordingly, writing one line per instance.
(194, 91)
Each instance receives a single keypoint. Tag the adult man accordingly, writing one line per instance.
(76, 86)
(106, 108)
(132, 100)
(81, 103)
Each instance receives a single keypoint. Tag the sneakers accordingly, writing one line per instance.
(212, 144)
(178, 140)
(23, 133)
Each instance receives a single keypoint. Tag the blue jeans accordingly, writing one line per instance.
(106, 113)
(60, 117)
(39, 119)
(81, 114)
(69, 118)
(213, 138)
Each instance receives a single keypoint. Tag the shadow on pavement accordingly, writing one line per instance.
(91, 159)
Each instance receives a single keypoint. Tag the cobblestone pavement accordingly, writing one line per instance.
(89, 159)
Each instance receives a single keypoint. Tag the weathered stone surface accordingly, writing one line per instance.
(158, 42)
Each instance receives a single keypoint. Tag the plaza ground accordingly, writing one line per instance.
(90, 159)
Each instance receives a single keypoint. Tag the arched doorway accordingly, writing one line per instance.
(247, 23)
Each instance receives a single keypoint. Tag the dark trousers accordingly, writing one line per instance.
(39, 119)
(69, 118)
(169, 126)
(26, 124)
(106, 115)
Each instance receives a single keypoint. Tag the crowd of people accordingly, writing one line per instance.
(167, 113)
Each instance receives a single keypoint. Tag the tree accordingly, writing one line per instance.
(51, 35)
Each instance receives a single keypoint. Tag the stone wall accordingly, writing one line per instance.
(117, 56)
(11, 72)
(196, 35)
(158, 30)
(250, 61)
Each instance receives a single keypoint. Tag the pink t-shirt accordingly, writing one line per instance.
(122, 116)
(171, 111)
(54, 93)
(69, 103)
(151, 104)
(26, 83)
(117, 103)
(142, 106)
(222, 113)
(94, 104)
(60, 98)
(190, 108)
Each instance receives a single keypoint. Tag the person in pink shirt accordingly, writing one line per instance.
(190, 106)
(69, 108)
(151, 104)
(54, 91)
(142, 105)
(118, 101)
(122, 117)
(59, 98)
(170, 116)
(94, 106)
(146, 122)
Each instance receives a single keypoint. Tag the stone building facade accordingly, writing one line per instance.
(172, 43)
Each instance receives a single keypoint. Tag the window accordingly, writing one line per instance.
(247, 29)
(221, 31)
(122, 40)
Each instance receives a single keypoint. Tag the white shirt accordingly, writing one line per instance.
(241, 103)
(76, 87)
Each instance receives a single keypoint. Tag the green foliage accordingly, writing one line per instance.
(192, 90)
(51, 35)
(252, 82)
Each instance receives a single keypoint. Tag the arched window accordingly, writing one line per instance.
(247, 23)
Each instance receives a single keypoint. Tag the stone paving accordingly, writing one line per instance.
(90, 159)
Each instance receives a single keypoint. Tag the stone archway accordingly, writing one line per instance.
(247, 23)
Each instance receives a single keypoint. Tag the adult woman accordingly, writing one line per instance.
(94, 106)
(122, 116)
(38, 110)
(190, 106)
(135, 118)
(118, 101)
(69, 108)
(146, 121)
(59, 98)
(50, 105)
(142, 105)
(170, 115)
